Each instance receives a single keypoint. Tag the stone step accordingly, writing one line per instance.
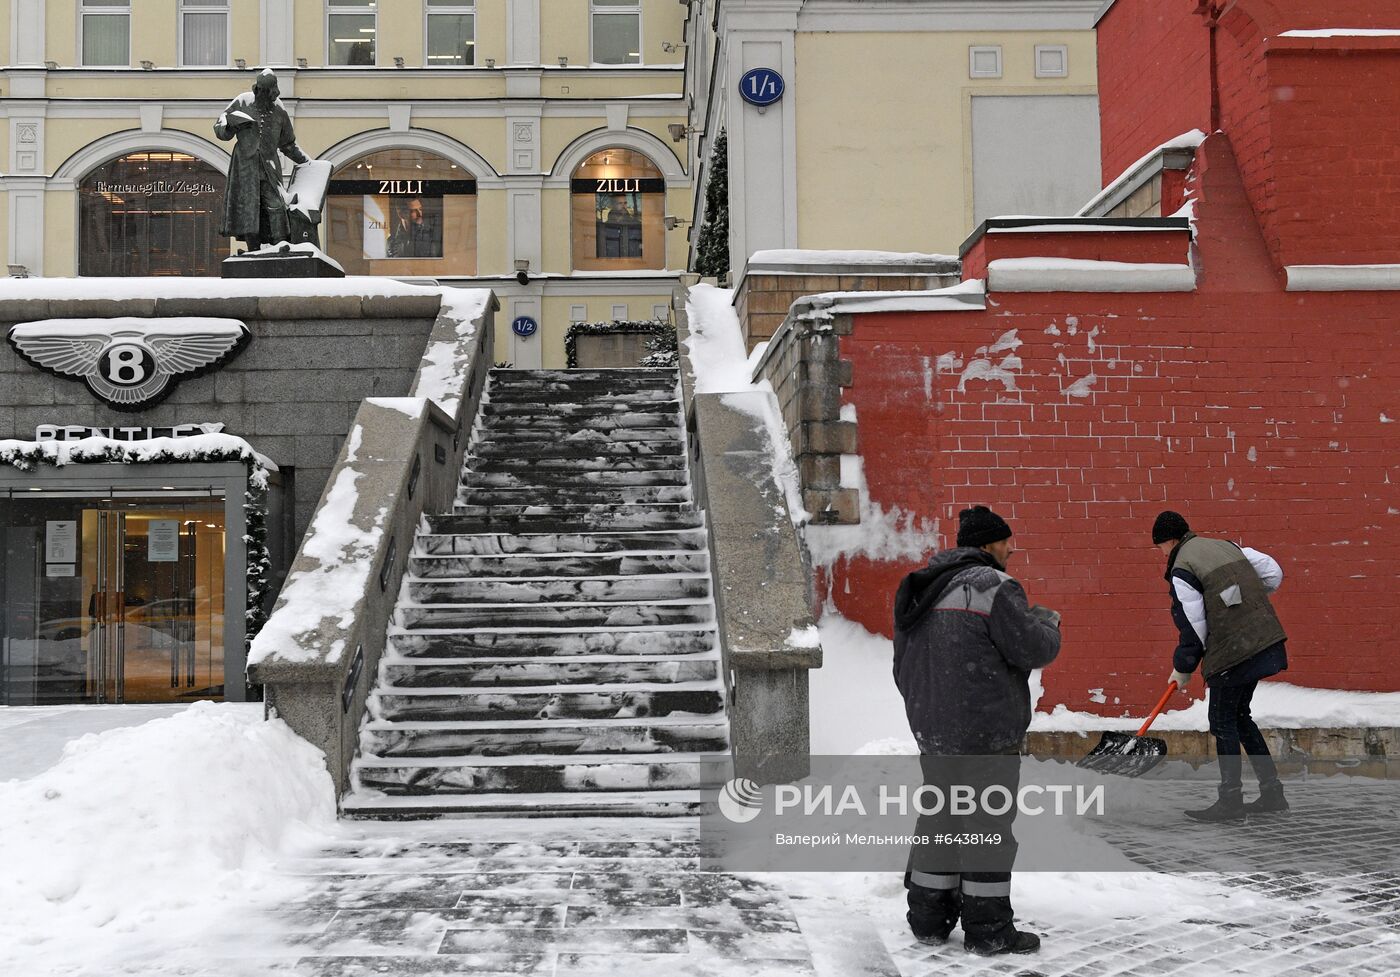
(580, 494)
(525, 565)
(513, 464)
(562, 450)
(656, 374)
(534, 736)
(552, 394)
(480, 673)
(606, 410)
(543, 775)
(552, 544)
(473, 518)
(525, 433)
(555, 702)
(551, 480)
(376, 805)
(559, 590)
(519, 643)
(567, 615)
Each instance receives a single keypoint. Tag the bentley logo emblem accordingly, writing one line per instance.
(128, 362)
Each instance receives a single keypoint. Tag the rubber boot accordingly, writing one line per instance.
(1228, 809)
(1016, 941)
(1271, 800)
(987, 927)
(932, 912)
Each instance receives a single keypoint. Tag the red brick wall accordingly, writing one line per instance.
(1255, 412)
(1154, 78)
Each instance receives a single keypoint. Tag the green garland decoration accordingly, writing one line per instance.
(259, 559)
(661, 344)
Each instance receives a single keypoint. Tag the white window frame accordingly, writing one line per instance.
(595, 9)
(333, 8)
(84, 11)
(226, 8)
(973, 51)
(1062, 50)
(462, 7)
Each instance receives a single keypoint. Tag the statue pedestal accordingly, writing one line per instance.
(282, 261)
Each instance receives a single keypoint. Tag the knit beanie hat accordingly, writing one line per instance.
(1169, 525)
(979, 526)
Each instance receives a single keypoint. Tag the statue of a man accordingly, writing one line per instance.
(255, 209)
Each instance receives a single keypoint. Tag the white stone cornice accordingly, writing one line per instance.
(948, 15)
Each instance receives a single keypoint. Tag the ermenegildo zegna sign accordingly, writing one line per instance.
(617, 185)
(401, 188)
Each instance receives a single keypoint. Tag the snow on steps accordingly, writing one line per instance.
(554, 648)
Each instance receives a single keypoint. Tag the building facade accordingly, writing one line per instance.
(520, 144)
(891, 126)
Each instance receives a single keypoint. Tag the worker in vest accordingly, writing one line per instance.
(1220, 603)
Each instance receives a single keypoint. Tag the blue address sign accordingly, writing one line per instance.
(761, 86)
(524, 326)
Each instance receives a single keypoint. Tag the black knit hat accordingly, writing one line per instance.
(979, 526)
(1169, 525)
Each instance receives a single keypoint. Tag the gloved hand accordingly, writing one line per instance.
(1046, 614)
(1182, 679)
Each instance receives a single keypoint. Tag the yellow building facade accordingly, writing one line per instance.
(518, 144)
(900, 125)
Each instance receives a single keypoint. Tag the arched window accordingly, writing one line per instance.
(619, 204)
(151, 213)
(402, 212)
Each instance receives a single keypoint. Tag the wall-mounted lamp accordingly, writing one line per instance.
(671, 47)
(398, 61)
(522, 270)
(673, 222)
(563, 61)
(148, 65)
(19, 271)
(490, 62)
(240, 63)
(680, 130)
(301, 62)
(51, 65)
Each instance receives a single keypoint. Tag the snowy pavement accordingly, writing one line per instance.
(578, 898)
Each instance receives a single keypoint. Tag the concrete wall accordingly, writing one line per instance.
(291, 392)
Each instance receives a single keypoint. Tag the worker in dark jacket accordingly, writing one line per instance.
(965, 642)
(1220, 604)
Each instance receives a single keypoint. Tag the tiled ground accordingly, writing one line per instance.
(626, 898)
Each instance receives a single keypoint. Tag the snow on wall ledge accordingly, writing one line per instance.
(1343, 278)
(1083, 275)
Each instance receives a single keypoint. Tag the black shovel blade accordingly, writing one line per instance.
(1125, 755)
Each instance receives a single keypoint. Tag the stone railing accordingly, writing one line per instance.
(319, 651)
(762, 587)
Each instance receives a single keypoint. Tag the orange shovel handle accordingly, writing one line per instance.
(1161, 704)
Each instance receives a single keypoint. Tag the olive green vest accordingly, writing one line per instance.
(1240, 621)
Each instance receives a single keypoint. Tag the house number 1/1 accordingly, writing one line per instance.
(761, 86)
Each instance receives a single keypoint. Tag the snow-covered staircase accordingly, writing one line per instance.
(554, 650)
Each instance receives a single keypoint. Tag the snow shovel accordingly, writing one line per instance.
(1130, 756)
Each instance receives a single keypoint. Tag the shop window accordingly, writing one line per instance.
(617, 31)
(451, 33)
(619, 204)
(350, 31)
(106, 32)
(402, 212)
(151, 213)
(204, 32)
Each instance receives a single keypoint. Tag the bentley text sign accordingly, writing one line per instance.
(130, 363)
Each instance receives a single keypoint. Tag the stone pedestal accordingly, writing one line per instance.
(292, 264)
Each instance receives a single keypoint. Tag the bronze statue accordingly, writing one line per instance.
(255, 205)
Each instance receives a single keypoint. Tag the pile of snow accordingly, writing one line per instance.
(715, 347)
(25, 454)
(139, 833)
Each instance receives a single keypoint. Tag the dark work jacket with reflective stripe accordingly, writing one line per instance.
(1239, 623)
(965, 643)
